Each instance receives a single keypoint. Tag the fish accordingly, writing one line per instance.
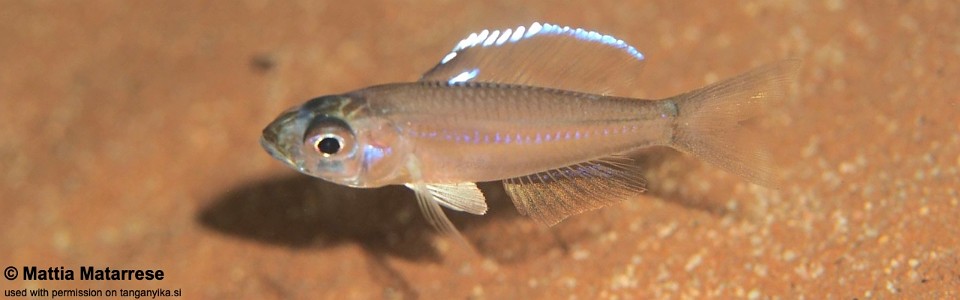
(545, 109)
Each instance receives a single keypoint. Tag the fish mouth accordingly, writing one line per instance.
(271, 140)
(270, 145)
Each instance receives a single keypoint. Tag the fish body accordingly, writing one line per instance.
(470, 132)
(479, 117)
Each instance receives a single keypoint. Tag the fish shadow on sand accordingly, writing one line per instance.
(301, 212)
(668, 178)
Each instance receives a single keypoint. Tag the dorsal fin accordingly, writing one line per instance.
(551, 196)
(543, 55)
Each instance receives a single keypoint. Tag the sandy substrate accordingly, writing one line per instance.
(129, 140)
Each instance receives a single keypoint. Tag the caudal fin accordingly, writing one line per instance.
(709, 121)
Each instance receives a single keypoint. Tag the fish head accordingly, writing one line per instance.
(336, 139)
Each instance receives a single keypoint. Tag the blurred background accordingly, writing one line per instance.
(130, 129)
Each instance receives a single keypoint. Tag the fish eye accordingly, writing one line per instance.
(330, 138)
(328, 145)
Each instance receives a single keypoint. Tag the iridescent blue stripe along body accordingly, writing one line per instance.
(512, 131)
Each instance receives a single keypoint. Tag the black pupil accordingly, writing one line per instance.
(329, 145)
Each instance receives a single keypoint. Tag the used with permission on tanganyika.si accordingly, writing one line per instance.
(543, 108)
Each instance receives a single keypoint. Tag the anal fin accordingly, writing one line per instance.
(551, 196)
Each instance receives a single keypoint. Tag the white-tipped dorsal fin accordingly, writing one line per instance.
(551, 196)
(544, 55)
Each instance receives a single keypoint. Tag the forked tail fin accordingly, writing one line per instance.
(709, 121)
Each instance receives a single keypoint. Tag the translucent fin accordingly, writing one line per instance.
(459, 196)
(551, 196)
(434, 213)
(543, 55)
(708, 124)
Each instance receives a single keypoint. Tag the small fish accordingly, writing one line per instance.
(542, 108)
